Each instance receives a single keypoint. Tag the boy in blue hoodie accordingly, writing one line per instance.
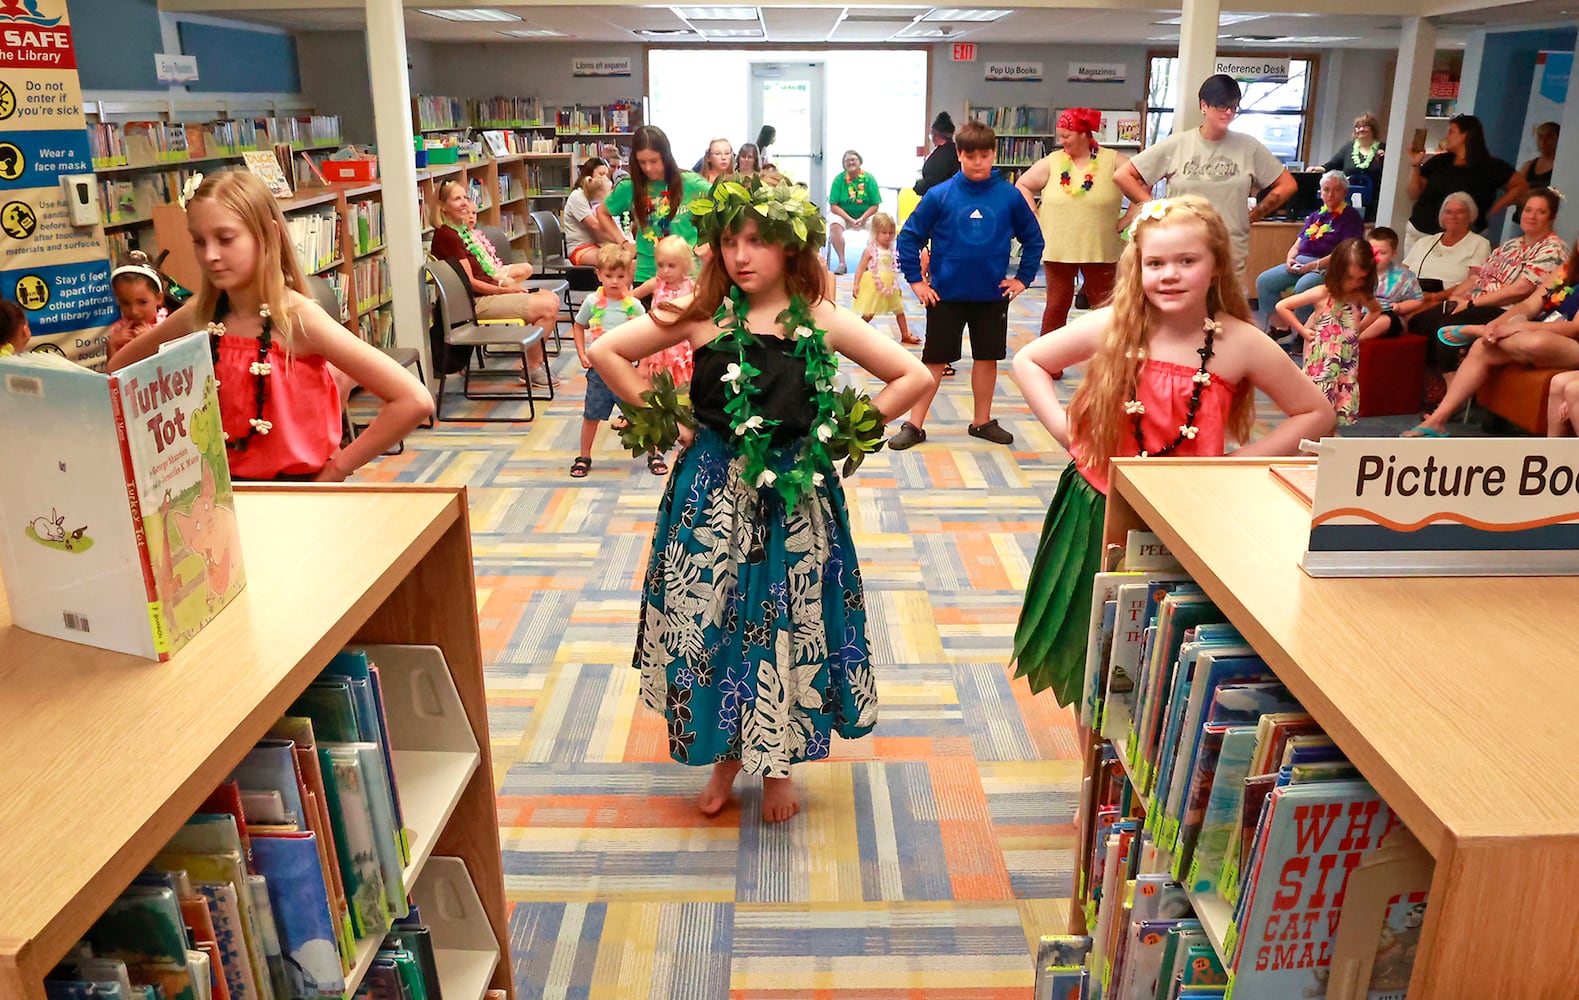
(969, 220)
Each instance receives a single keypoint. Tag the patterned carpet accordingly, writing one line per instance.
(927, 857)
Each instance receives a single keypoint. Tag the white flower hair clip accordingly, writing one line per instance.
(190, 188)
(1154, 209)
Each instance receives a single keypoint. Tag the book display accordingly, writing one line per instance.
(271, 821)
(1027, 133)
(1290, 790)
(84, 567)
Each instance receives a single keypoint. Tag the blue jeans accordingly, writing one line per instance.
(1274, 281)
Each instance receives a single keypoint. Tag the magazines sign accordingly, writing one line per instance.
(1023, 71)
(600, 66)
(1084, 72)
(1445, 507)
(54, 269)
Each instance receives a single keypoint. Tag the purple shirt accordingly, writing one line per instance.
(1348, 225)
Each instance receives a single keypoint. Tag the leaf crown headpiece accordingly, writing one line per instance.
(784, 214)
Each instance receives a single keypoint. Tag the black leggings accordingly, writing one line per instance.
(1427, 322)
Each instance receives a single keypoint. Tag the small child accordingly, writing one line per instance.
(675, 260)
(877, 288)
(1397, 288)
(139, 292)
(1345, 304)
(14, 332)
(603, 310)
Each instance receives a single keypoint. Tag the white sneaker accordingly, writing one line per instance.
(543, 379)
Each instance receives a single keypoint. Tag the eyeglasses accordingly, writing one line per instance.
(1361, 127)
(1232, 109)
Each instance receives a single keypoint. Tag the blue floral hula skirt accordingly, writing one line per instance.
(752, 640)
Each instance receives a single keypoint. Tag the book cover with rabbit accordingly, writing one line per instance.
(117, 521)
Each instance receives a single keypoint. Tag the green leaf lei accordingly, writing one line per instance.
(846, 426)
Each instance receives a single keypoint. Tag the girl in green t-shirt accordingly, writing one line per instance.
(658, 208)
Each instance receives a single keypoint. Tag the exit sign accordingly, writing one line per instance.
(964, 51)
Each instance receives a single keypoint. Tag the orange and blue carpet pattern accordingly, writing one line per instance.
(926, 858)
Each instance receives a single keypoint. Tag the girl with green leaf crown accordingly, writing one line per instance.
(752, 639)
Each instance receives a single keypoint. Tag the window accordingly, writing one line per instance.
(1272, 111)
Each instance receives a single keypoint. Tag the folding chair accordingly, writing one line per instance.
(462, 330)
(558, 285)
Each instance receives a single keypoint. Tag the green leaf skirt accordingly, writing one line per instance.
(1051, 637)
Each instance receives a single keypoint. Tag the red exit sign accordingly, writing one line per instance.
(964, 51)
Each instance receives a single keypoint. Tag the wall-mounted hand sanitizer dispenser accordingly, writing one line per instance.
(82, 198)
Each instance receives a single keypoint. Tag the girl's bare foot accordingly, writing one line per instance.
(779, 801)
(715, 794)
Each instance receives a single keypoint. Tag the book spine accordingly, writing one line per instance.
(161, 638)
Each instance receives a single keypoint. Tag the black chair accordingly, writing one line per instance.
(462, 331)
(558, 285)
(552, 253)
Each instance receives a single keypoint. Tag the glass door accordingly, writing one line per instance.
(788, 96)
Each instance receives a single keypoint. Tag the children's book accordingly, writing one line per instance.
(1315, 836)
(300, 902)
(1221, 819)
(235, 960)
(316, 802)
(351, 812)
(266, 166)
(117, 523)
(143, 928)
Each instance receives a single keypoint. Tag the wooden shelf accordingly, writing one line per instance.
(145, 743)
(199, 161)
(512, 200)
(141, 220)
(371, 306)
(333, 265)
(1440, 690)
(370, 251)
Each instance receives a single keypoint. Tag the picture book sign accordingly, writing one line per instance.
(175, 68)
(1445, 507)
(600, 66)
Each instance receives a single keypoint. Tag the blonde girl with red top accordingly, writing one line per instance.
(275, 350)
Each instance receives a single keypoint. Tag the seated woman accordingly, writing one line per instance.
(1517, 268)
(1444, 260)
(853, 199)
(1331, 224)
(584, 228)
(1541, 331)
(496, 287)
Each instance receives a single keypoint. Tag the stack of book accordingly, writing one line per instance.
(1020, 151)
(542, 178)
(316, 237)
(1221, 826)
(377, 328)
(367, 224)
(265, 893)
(1022, 119)
(106, 145)
(372, 282)
(505, 112)
(439, 113)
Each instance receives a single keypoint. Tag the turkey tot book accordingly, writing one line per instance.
(117, 522)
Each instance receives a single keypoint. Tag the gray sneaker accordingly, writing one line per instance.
(908, 436)
(990, 431)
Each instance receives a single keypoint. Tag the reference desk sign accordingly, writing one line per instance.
(1445, 507)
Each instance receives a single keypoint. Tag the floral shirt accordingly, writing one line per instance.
(1397, 285)
(1521, 257)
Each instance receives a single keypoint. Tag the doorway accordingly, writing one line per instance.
(788, 96)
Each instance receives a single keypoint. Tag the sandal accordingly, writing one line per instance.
(1424, 431)
(1453, 336)
(580, 467)
(657, 466)
(950, 370)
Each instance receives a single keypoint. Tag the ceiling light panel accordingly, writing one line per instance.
(471, 14)
(666, 32)
(1222, 19)
(534, 33)
(863, 31)
(921, 30)
(963, 14)
(717, 13)
(803, 24)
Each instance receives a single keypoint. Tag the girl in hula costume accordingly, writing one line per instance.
(1174, 365)
(752, 640)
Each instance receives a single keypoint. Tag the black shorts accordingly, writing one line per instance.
(946, 323)
(1395, 324)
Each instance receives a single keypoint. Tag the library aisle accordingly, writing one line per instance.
(930, 854)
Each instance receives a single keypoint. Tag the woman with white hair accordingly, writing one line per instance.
(1444, 260)
(1335, 221)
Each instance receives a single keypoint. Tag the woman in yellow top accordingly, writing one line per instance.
(1079, 214)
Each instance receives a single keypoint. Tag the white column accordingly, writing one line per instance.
(1197, 57)
(397, 169)
(1411, 88)
(1565, 169)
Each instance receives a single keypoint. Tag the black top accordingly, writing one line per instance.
(941, 164)
(1537, 180)
(784, 395)
(1343, 160)
(1443, 177)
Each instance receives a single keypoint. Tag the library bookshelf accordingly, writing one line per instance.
(107, 754)
(1451, 695)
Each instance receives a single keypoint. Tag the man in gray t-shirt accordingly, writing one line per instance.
(1226, 168)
